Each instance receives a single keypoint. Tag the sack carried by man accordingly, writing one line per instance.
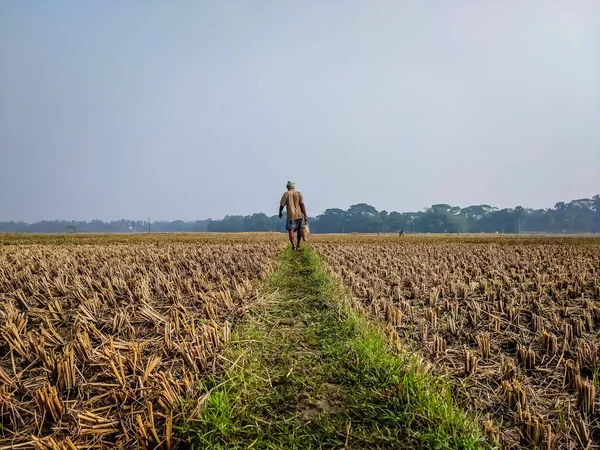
(305, 230)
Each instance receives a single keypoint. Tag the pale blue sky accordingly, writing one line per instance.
(195, 109)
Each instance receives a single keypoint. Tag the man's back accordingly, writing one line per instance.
(291, 199)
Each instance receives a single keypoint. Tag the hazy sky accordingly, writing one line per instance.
(197, 109)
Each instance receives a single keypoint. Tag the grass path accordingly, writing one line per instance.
(306, 373)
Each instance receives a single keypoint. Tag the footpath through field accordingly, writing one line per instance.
(306, 372)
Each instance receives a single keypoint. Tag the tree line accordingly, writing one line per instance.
(99, 226)
(576, 216)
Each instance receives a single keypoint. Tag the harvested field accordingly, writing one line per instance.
(104, 341)
(513, 321)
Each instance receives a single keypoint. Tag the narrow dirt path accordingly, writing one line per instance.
(303, 372)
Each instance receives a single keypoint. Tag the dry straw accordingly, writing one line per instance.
(106, 345)
(523, 310)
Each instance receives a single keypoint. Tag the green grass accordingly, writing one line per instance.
(305, 372)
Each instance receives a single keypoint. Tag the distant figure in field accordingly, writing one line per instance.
(401, 233)
(295, 212)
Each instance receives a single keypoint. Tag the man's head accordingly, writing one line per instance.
(291, 185)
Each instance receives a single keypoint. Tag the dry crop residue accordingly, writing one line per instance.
(513, 321)
(105, 345)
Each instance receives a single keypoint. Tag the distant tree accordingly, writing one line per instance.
(397, 221)
(333, 220)
(519, 213)
(441, 218)
(472, 216)
(596, 210)
(362, 218)
(257, 222)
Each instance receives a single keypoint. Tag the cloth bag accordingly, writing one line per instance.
(305, 231)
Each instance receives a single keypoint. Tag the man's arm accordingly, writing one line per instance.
(282, 203)
(303, 209)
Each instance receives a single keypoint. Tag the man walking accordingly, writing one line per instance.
(295, 212)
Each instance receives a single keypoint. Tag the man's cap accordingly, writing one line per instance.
(291, 184)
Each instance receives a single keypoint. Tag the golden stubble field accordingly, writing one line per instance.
(105, 340)
(512, 321)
